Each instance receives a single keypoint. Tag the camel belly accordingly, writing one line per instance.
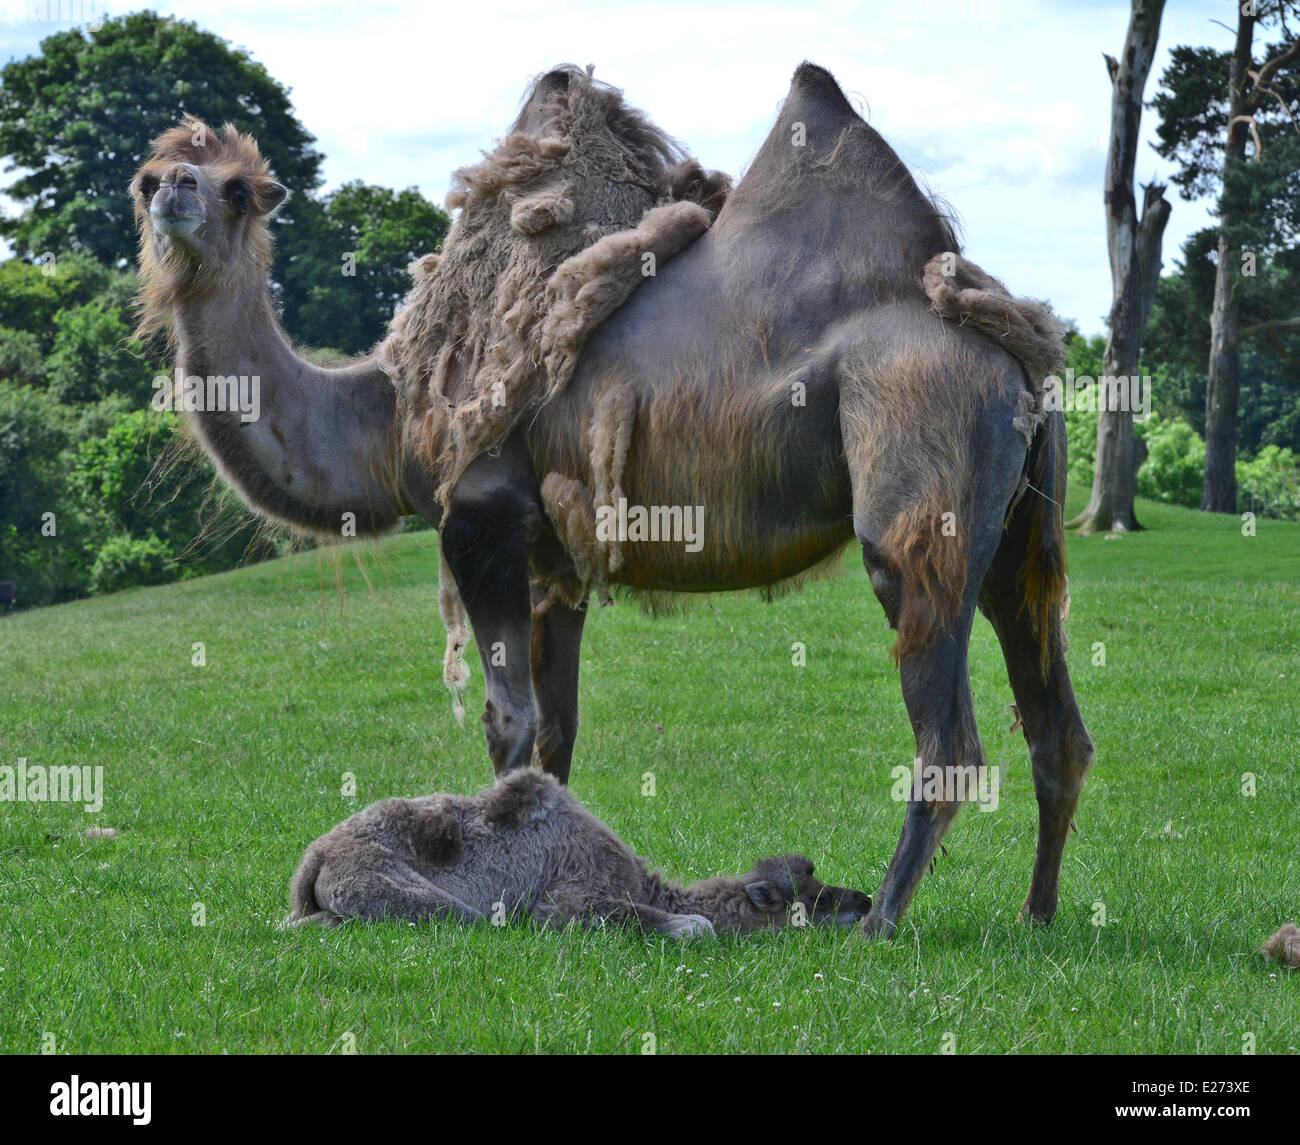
(708, 502)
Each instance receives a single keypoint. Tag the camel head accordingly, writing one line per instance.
(778, 886)
(317, 449)
(203, 203)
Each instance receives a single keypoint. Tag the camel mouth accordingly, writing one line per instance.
(847, 910)
(173, 224)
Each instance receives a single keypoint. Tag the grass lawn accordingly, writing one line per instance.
(217, 777)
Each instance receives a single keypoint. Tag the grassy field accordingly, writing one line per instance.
(217, 777)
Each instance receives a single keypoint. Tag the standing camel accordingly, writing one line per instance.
(819, 365)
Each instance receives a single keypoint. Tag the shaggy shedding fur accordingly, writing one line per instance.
(494, 330)
(1284, 946)
(590, 286)
(455, 670)
(553, 236)
(569, 507)
(528, 848)
(959, 290)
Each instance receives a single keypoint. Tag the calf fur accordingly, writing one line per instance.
(528, 848)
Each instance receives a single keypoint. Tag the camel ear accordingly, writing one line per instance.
(273, 195)
(765, 896)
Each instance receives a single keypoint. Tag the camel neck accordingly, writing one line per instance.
(234, 331)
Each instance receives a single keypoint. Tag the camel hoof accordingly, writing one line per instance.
(1031, 915)
(691, 926)
(876, 927)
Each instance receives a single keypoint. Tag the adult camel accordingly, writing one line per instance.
(819, 365)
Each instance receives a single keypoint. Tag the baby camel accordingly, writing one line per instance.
(528, 848)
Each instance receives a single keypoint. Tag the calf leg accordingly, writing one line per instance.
(625, 913)
(373, 896)
(556, 645)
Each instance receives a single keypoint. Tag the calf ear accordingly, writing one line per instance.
(765, 896)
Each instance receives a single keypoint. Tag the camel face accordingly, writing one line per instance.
(195, 211)
(783, 890)
(206, 197)
(175, 201)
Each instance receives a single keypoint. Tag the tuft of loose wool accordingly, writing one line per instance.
(100, 832)
(1285, 946)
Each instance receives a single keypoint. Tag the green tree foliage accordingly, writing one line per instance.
(1178, 342)
(1193, 109)
(95, 355)
(1257, 202)
(344, 262)
(31, 296)
(43, 554)
(78, 118)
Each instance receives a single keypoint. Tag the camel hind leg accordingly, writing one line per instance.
(556, 646)
(1024, 595)
(934, 460)
(936, 689)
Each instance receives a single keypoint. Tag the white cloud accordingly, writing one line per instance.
(1002, 106)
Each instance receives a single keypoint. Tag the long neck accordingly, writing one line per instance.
(315, 448)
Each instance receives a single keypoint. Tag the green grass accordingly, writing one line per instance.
(216, 778)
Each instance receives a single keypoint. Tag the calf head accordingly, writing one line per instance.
(783, 890)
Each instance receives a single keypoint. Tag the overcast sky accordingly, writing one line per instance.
(1001, 106)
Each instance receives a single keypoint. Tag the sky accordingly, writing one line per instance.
(1001, 107)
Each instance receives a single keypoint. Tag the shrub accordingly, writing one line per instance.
(1269, 484)
(123, 561)
(1175, 464)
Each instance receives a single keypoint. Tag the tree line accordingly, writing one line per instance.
(96, 492)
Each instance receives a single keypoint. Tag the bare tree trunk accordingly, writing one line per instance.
(1223, 381)
(1133, 251)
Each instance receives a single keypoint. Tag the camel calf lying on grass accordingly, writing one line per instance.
(527, 847)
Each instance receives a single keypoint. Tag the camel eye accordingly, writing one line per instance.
(237, 195)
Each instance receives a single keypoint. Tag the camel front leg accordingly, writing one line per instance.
(486, 537)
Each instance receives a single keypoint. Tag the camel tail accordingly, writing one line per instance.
(1037, 524)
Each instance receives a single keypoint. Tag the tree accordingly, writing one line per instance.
(78, 119)
(1134, 247)
(345, 259)
(1208, 131)
(1178, 343)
